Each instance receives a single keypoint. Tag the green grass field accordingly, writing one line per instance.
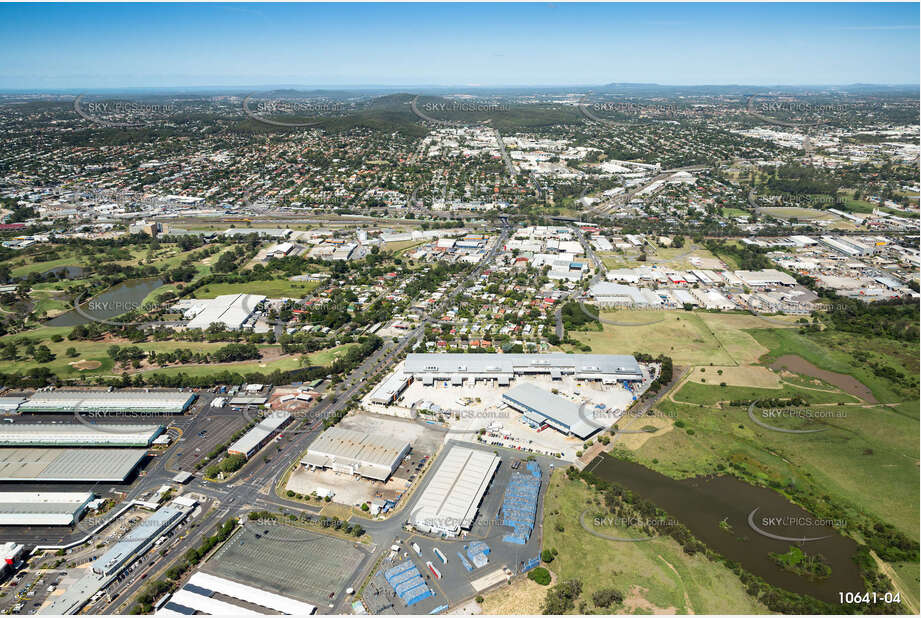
(24, 267)
(287, 363)
(835, 352)
(654, 577)
(866, 459)
(273, 288)
(690, 338)
(97, 351)
(734, 212)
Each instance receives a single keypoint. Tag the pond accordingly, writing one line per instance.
(70, 272)
(117, 300)
(702, 503)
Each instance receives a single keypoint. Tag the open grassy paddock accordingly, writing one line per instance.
(690, 338)
(864, 461)
(273, 288)
(654, 576)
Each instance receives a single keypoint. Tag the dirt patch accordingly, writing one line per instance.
(636, 603)
(634, 441)
(85, 365)
(593, 451)
(849, 384)
(523, 596)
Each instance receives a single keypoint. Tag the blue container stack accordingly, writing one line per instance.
(519, 508)
(477, 552)
(407, 583)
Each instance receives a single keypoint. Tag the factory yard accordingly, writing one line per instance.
(354, 490)
(456, 583)
(467, 409)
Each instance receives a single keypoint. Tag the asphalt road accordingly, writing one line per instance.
(254, 486)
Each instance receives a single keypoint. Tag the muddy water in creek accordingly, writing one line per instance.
(702, 503)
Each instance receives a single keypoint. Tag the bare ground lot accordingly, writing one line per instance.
(848, 384)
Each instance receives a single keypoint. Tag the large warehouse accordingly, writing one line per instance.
(69, 465)
(607, 368)
(89, 402)
(212, 595)
(541, 408)
(258, 436)
(77, 434)
(452, 497)
(231, 310)
(354, 452)
(138, 540)
(46, 508)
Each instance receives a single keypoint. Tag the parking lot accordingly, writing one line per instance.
(200, 435)
(27, 590)
(311, 567)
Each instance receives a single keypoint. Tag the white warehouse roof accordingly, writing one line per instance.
(232, 310)
(452, 497)
(590, 366)
(251, 594)
(561, 413)
(254, 437)
(165, 402)
(68, 465)
(77, 434)
(47, 508)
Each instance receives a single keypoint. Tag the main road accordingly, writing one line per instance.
(255, 487)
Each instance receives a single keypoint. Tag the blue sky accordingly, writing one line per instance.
(184, 45)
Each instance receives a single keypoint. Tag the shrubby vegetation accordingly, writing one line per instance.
(776, 599)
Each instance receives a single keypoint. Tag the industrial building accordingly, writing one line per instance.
(452, 497)
(231, 310)
(846, 246)
(354, 452)
(46, 508)
(65, 465)
(10, 554)
(101, 402)
(390, 389)
(541, 408)
(138, 540)
(10, 404)
(217, 596)
(78, 435)
(258, 436)
(765, 276)
(607, 368)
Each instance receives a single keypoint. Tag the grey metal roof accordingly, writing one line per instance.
(376, 455)
(18, 508)
(518, 363)
(260, 432)
(89, 401)
(564, 411)
(450, 500)
(64, 465)
(136, 538)
(77, 434)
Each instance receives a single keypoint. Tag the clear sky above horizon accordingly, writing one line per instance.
(224, 44)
